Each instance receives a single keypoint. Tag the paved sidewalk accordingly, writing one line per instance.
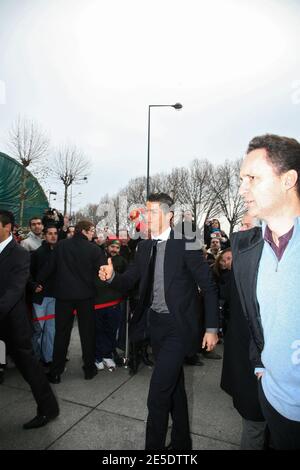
(109, 412)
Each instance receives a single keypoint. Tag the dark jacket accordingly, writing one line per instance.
(238, 379)
(246, 251)
(14, 274)
(105, 292)
(40, 258)
(76, 264)
(207, 237)
(184, 271)
(125, 252)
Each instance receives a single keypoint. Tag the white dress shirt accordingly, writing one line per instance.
(163, 237)
(5, 243)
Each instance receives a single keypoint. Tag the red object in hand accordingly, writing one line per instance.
(134, 214)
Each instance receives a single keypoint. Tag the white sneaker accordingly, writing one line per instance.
(109, 363)
(99, 365)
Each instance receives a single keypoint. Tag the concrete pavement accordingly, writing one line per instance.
(109, 412)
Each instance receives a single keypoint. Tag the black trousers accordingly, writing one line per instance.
(167, 393)
(64, 320)
(17, 335)
(284, 433)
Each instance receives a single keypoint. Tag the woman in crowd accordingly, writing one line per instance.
(212, 229)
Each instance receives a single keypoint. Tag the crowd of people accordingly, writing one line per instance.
(185, 294)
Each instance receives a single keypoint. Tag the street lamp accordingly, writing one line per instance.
(175, 106)
(71, 195)
(49, 196)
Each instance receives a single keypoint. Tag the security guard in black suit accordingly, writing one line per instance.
(14, 322)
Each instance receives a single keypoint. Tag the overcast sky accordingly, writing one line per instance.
(86, 71)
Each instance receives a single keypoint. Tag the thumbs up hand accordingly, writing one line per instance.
(106, 271)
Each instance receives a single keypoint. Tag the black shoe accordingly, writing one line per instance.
(118, 359)
(211, 355)
(89, 374)
(147, 361)
(193, 360)
(1, 376)
(39, 421)
(170, 448)
(53, 379)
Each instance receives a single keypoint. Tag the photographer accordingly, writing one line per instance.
(53, 217)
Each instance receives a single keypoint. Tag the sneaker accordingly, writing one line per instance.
(109, 363)
(99, 365)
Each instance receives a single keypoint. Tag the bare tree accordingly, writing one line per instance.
(194, 189)
(70, 166)
(90, 213)
(28, 144)
(226, 187)
(135, 191)
(206, 190)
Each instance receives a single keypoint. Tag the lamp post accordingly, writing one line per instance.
(71, 192)
(49, 196)
(175, 106)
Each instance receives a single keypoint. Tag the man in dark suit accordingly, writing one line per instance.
(169, 272)
(76, 262)
(238, 379)
(14, 322)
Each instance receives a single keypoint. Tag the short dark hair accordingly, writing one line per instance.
(7, 217)
(226, 250)
(48, 227)
(282, 152)
(34, 218)
(216, 220)
(163, 199)
(83, 225)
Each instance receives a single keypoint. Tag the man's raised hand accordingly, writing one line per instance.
(106, 271)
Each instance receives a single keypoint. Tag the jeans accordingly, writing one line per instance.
(44, 330)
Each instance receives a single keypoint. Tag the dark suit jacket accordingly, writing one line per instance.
(14, 273)
(76, 263)
(184, 271)
(246, 250)
(39, 259)
(238, 379)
